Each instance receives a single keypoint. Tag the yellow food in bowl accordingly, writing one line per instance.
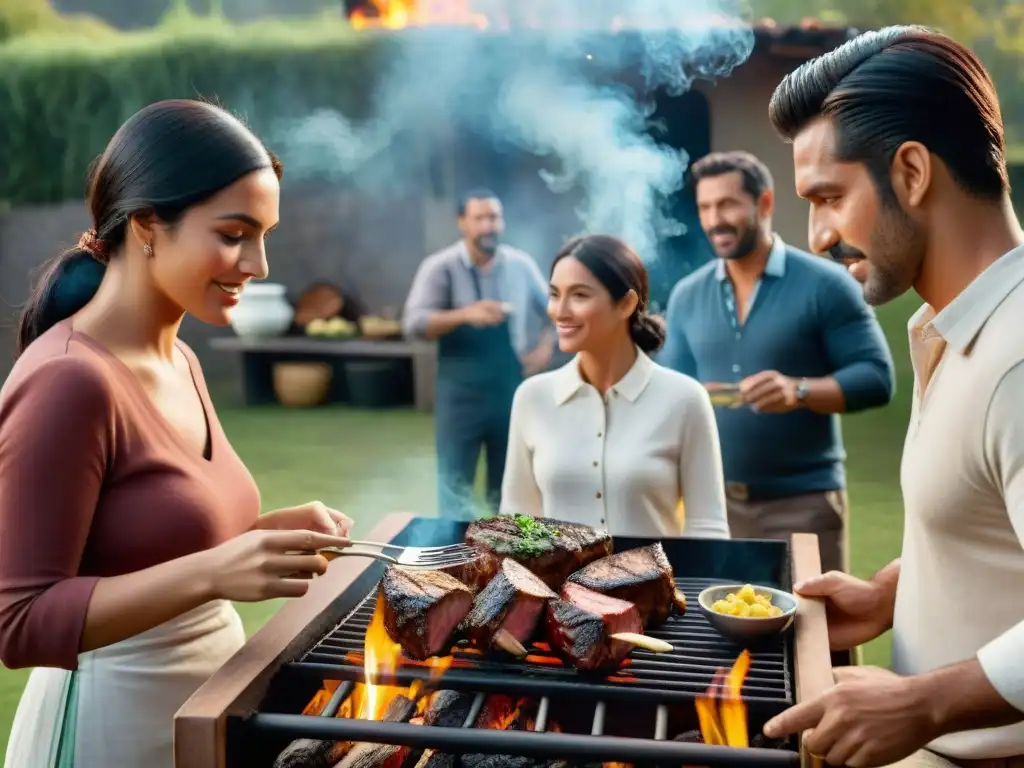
(747, 603)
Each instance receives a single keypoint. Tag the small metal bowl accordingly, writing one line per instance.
(748, 630)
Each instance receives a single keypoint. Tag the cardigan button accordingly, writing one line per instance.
(599, 494)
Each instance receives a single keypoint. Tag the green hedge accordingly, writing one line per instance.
(62, 98)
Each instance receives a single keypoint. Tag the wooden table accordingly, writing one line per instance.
(260, 355)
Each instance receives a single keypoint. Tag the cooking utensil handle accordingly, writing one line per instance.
(332, 552)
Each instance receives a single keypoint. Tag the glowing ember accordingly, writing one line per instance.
(721, 711)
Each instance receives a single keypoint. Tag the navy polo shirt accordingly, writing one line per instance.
(807, 318)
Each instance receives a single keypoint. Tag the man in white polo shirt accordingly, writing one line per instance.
(898, 146)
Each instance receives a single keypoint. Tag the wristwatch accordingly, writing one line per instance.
(802, 388)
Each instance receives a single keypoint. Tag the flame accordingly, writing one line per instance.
(721, 711)
(398, 14)
(380, 657)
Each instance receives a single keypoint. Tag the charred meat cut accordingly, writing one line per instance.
(581, 623)
(476, 573)
(511, 604)
(642, 576)
(552, 549)
(422, 609)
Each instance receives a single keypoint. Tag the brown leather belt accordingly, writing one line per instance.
(1017, 761)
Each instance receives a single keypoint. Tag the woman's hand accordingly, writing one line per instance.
(311, 516)
(264, 564)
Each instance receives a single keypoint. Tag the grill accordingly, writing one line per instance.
(640, 715)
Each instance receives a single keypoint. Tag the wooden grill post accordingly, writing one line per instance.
(813, 665)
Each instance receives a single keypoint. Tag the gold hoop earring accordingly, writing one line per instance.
(148, 250)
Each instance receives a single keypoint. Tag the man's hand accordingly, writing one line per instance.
(856, 609)
(871, 717)
(770, 392)
(538, 358)
(483, 313)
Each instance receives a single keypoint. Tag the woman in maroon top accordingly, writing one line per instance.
(127, 522)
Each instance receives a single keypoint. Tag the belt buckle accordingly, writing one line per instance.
(737, 491)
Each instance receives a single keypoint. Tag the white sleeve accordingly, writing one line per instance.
(1004, 453)
(701, 479)
(519, 490)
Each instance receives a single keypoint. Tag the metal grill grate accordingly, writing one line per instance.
(666, 677)
(643, 714)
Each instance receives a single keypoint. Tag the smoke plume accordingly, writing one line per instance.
(550, 91)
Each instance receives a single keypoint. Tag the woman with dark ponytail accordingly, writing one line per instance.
(127, 521)
(612, 439)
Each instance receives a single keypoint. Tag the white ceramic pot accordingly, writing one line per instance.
(262, 311)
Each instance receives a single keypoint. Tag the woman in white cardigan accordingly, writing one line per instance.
(612, 439)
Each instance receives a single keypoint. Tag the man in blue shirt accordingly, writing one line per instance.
(486, 305)
(789, 334)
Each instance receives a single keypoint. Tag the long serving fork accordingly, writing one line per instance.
(409, 557)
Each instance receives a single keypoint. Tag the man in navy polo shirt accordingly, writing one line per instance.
(791, 335)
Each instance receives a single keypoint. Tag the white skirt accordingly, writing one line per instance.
(118, 708)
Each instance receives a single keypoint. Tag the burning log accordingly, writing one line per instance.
(401, 709)
(448, 709)
(366, 755)
(434, 759)
(314, 753)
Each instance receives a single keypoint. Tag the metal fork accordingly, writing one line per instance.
(409, 557)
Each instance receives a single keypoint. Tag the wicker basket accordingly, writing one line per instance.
(301, 385)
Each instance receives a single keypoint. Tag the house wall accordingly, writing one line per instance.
(371, 247)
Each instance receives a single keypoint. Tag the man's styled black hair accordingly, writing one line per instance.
(907, 83)
(477, 193)
(757, 179)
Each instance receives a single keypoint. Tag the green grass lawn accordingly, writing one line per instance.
(370, 464)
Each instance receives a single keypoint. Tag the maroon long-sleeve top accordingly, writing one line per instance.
(95, 482)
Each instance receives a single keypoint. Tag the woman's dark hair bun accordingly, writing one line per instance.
(647, 331)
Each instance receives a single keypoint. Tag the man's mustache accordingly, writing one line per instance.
(722, 229)
(845, 253)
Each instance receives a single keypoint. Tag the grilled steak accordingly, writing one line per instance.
(552, 557)
(476, 573)
(513, 602)
(422, 609)
(580, 624)
(642, 576)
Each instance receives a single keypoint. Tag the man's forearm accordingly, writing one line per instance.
(961, 698)
(443, 322)
(824, 395)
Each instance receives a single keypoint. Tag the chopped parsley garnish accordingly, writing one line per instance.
(534, 536)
